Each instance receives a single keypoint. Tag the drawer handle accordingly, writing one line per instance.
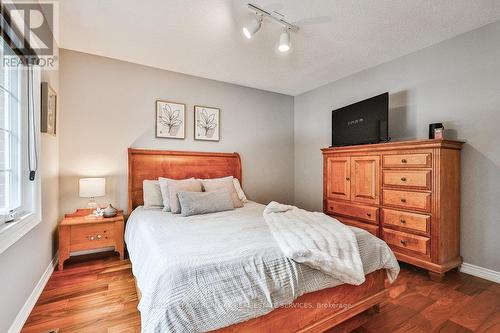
(403, 200)
(402, 221)
(347, 178)
(404, 160)
(368, 214)
(403, 179)
(403, 242)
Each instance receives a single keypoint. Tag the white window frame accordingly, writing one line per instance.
(29, 214)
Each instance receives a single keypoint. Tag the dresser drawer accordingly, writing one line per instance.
(420, 160)
(372, 229)
(409, 200)
(409, 242)
(361, 212)
(408, 178)
(411, 221)
(87, 236)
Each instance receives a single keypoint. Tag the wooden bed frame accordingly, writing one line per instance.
(313, 312)
(151, 164)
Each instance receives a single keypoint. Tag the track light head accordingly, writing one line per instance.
(252, 27)
(284, 45)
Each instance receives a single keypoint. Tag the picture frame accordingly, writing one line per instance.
(206, 123)
(170, 120)
(48, 123)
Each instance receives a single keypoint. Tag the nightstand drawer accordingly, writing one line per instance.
(87, 236)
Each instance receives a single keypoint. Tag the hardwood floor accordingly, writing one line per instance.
(97, 294)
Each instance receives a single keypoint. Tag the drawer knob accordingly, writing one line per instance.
(403, 179)
(368, 214)
(91, 238)
(347, 178)
(404, 160)
(402, 221)
(99, 236)
(403, 200)
(403, 242)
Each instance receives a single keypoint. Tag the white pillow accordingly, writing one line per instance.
(237, 186)
(239, 190)
(152, 194)
(165, 194)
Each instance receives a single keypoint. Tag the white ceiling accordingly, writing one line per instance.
(203, 37)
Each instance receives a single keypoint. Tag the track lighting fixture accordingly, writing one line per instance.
(284, 45)
(252, 27)
(255, 24)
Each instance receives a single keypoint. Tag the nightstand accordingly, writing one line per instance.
(80, 231)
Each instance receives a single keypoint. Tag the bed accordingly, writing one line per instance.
(223, 271)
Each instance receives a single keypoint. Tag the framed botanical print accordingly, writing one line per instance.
(49, 110)
(170, 120)
(206, 123)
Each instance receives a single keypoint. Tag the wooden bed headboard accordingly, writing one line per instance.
(151, 164)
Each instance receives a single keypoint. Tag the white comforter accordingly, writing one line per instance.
(316, 240)
(204, 272)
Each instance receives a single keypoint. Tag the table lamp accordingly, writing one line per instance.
(92, 188)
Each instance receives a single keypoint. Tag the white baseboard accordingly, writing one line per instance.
(481, 272)
(25, 311)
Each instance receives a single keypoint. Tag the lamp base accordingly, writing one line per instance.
(92, 204)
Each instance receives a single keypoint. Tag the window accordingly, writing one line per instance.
(10, 139)
(19, 136)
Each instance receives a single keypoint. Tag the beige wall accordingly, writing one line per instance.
(456, 82)
(111, 106)
(23, 264)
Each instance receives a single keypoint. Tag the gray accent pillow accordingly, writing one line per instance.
(195, 203)
(163, 183)
(176, 186)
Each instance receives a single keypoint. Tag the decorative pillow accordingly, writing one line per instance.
(239, 190)
(237, 186)
(176, 186)
(152, 194)
(216, 184)
(164, 192)
(195, 203)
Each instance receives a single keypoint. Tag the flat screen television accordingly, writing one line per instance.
(362, 122)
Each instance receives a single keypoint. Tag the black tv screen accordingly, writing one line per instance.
(362, 122)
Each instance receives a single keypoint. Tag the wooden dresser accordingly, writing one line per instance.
(407, 193)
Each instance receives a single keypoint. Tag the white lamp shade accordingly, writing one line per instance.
(92, 187)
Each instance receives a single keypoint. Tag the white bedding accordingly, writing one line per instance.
(316, 240)
(204, 272)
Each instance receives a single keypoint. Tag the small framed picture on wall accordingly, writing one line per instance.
(49, 110)
(206, 123)
(170, 120)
